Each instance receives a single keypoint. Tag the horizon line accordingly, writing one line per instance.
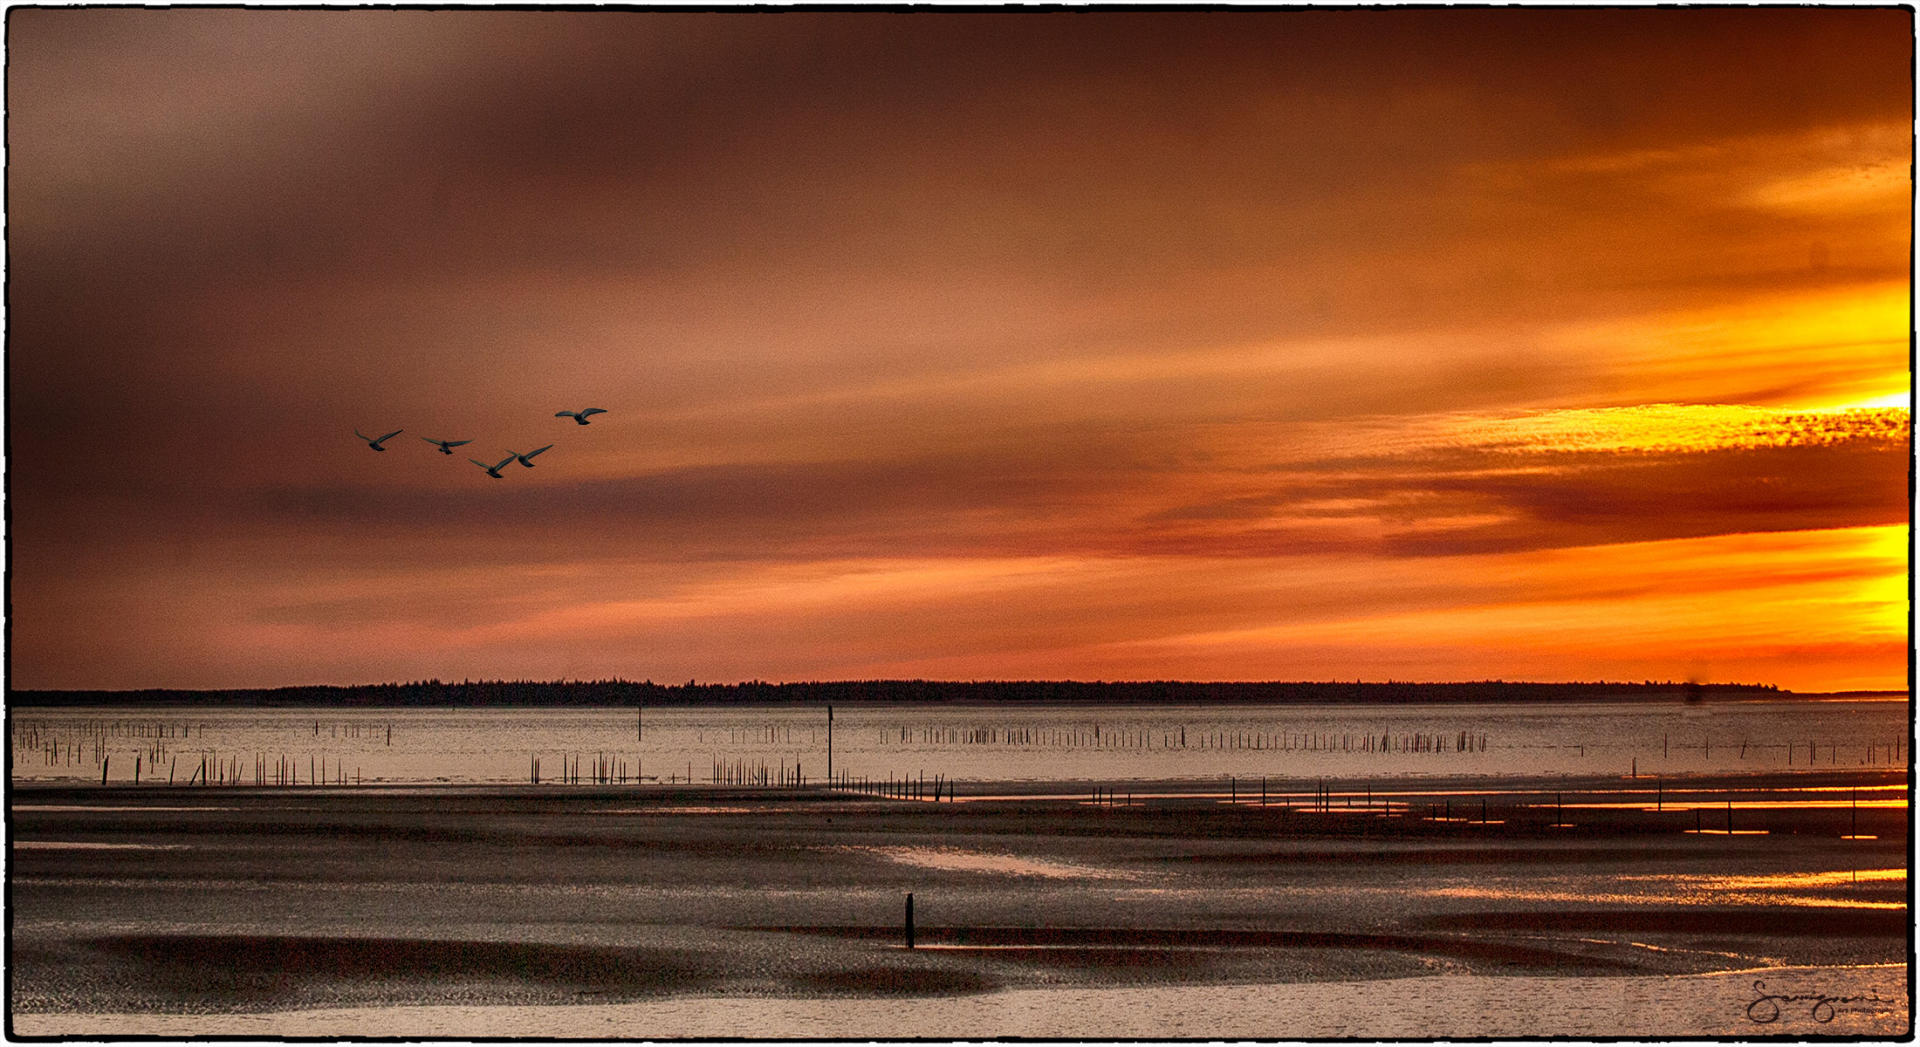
(694, 684)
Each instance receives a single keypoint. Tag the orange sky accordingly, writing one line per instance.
(1553, 344)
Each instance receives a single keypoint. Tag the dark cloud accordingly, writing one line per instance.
(1485, 500)
(1820, 474)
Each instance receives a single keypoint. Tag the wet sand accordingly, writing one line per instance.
(237, 901)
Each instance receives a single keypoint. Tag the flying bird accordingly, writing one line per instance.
(527, 459)
(580, 416)
(446, 446)
(494, 470)
(375, 444)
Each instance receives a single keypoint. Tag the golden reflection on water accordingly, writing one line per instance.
(1738, 805)
(1610, 898)
(957, 859)
(1794, 880)
(1789, 888)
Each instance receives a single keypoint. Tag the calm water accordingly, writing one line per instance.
(967, 744)
(1863, 1001)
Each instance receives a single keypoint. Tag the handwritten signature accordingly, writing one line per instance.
(1764, 1009)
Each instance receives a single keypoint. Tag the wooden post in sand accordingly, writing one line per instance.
(829, 743)
(103, 769)
(909, 919)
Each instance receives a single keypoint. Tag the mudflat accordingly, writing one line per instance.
(188, 901)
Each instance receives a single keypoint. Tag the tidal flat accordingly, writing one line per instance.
(663, 912)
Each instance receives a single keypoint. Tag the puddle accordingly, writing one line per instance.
(677, 809)
(955, 859)
(1766, 889)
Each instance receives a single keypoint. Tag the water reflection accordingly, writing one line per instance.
(1790, 880)
(956, 859)
(1823, 889)
(881, 743)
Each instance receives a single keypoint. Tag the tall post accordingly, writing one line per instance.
(829, 745)
(909, 919)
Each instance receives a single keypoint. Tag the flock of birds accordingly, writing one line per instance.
(446, 446)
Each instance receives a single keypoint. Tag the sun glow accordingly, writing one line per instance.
(1726, 607)
(1811, 350)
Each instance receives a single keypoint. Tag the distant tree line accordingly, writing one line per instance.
(616, 692)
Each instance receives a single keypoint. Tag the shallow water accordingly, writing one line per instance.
(971, 744)
(960, 859)
(1854, 1001)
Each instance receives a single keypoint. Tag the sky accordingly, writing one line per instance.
(1445, 344)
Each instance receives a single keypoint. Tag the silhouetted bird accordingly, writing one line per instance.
(494, 470)
(527, 459)
(580, 416)
(446, 446)
(375, 444)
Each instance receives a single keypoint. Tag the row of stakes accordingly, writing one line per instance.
(215, 771)
(54, 753)
(1323, 802)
